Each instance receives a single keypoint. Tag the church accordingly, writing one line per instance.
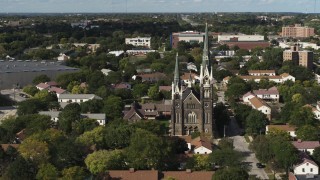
(192, 111)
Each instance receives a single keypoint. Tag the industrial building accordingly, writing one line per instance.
(187, 36)
(18, 73)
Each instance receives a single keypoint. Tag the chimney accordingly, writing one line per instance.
(188, 171)
(131, 170)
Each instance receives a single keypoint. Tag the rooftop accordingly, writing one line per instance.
(306, 144)
(285, 127)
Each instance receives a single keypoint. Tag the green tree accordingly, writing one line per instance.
(113, 107)
(316, 154)
(93, 137)
(139, 90)
(31, 90)
(308, 133)
(103, 160)
(233, 173)
(41, 79)
(225, 157)
(68, 116)
(20, 169)
(47, 172)
(75, 173)
(147, 150)
(30, 106)
(303, 116)
(35, 151)
(262, 147)
(256, 122)
(199, 163)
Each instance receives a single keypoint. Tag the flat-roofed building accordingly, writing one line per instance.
(297, 31)
(301, 58)
(187, 36)
(20, 73)
(240, 37)
(139, 41)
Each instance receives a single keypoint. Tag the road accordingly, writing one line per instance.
(6, 112)
(241, 145)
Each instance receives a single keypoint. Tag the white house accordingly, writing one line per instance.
(106, 71)
(101, 118)
(65, 99)
(139, 41)
(258, 104)
(116, 53)
(262, 72)
(306, 167)
(315, 111)
(291, 130)
(63, 57)
(271, 94)
(306, 146)
(42, 86)
(199, 145)
(277, 79)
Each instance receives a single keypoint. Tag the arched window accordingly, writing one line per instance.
(192, 118)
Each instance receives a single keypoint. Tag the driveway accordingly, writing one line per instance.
(241, 145)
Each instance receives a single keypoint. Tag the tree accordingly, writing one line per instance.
(34, 150)
(75, 173)
(256, 122)
(303, 116)
(31, 90)
(147, 150)
(308, 133)
(262, 147)
(41, 79)
(47, 172)
(316, 154)
(139, 90)
(93, 137)
(30, 106)
(153, 92)
(20, 169)
(235, 173)
(118, 134)
(225, 157)
(103, 160)
(236, 90)
(199, 163)
(69, 115)
(113, 107)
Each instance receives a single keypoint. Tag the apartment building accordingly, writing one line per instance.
(297, 31)
(139, 41)
(301, 58)
(187, 36)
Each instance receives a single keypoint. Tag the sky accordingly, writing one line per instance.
(111, 6)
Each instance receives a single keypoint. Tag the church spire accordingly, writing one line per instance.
(176, 72)
(205, 58)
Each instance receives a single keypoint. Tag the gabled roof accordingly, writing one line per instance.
(79, 96)
(303, 159)
(248, 94)
(133, 175)
(132, 112)
(285, 127)
(270, 91)
(43, 86)
(306, 144)
(122, 85)
(192, 175)
(57, 90)
(257, 102)
(52, 83)
(165, 88)
(6, 146)
(189, 91)
(201, 142)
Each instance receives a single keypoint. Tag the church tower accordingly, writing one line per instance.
(192, 111)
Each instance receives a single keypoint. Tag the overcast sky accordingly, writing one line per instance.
(109, 6)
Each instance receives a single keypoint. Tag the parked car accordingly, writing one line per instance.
(259, 165)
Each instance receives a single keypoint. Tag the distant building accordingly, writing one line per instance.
(277, 79)
(139, 41)
(63, 57)
(262, 72)
(240, 38)
(291, 130)
(106, 71)
(65, 99)
(140, 51)
(199, 145)
(301, 58)
(243, 41)
(306, 146)
(152, 77)
(187, 36)
(297, 31)
(258, 104)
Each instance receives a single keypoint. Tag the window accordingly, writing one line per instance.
(311, 169)
(192, 118)
(303, 170)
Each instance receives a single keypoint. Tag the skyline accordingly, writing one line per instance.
(147, 6)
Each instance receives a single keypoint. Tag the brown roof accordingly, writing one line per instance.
(134, 175)
(284, 75)
(260, 77)
(186, 76)
(304, 158)
(122, 86)
(57, 90)
(201, 142)
(257, 102)
(52, 83)
(132, 112)
(272, 90)
(165, 88)
(248, 45)
(21, 135)
(312, 108)
(306, 144)
(148, 106)
(262, 71)
(152, 76)
(286, 127)
(184, 175)
(43, 85)
(6, 146)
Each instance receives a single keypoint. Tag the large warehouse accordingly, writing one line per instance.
(20, 73)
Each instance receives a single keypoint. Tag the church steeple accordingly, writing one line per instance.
(176, 72)
(205, 56)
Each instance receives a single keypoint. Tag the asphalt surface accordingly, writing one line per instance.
(14, 94)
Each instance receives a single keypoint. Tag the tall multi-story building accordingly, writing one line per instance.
(192, 111)
(297, 31)
(187, 36)
(139, 41)
(301, 58)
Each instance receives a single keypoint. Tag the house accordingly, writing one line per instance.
(306, 146)
(152, 77)
(277, 79)
(42, 86)
(6, 146)
(306, 166)
(291, 130)
(225, 80)
(106, 71)
(65, 99)
(262, 72)
(314, 110)
(63, 57)
(57, 91)
(122, 85)
(271, 94)
(133, 174)
(186, 77)
(258, 104)
(100, 117)
(165, 88)
(149, 111)
(199, 145)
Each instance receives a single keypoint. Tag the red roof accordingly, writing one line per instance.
(52, 83)
(57, 90)
(189, 175)
(165, 88)
(248, 45)
(122, 86)
(134, 175)
(43, 86)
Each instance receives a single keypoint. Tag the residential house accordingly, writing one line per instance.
(262, 72)
(199, 145)
(42, 86)
(186, 77)
(277, 79)
(271, 94)
(65, 99)
(306, 146)
(106, 71)
(291, 130)
(122, 85)
(57, 91)
(258, 104)
(314, 110)
(152, 77)
(306, 166)
(133, 174)
(100, 117)
(6, 146)
(63, 57)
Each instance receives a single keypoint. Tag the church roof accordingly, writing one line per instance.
(187, 91)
